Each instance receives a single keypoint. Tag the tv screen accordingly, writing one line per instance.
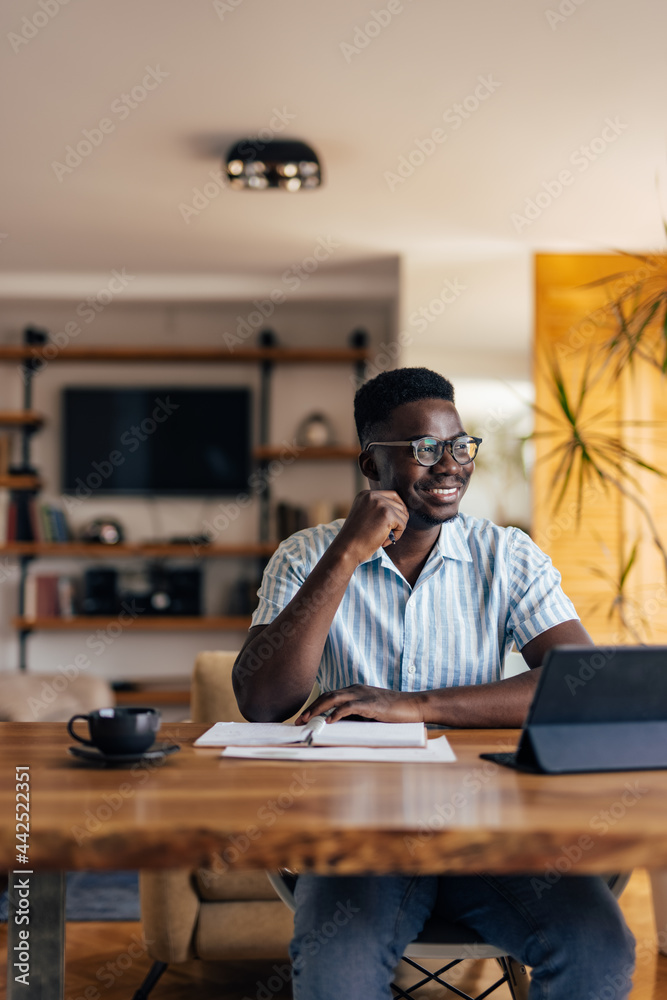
(163, 440)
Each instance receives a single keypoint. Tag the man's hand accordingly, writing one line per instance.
(373, 515)
(374, 703)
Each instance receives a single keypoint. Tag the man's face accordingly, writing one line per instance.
(431, 493)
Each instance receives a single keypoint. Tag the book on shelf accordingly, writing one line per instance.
(22, 517)
(4, 515)
(53, 524)
(66, 597)
(289, 519)
(5, 453)
(48, 595)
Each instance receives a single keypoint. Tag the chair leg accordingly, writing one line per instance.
(518, 979)
(659, 893)
(154, 973)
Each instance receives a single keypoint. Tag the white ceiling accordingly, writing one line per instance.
(555, 85)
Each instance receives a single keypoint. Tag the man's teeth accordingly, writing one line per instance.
(444, 493)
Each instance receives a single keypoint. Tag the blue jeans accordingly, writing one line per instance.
(350, 932)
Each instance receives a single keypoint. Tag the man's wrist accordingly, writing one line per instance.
(423, 702)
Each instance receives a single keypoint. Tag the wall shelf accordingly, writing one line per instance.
(33, 359)
(155, 697)
(324, 453)
(143, 623)
(244, 355)
(20, 418)
(20, 482)
(146, 551)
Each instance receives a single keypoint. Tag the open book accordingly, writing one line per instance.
(317, 732)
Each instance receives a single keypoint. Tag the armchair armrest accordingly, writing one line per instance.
(169, 911)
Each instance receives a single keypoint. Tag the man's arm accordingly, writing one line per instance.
(499, 705)
(275, 671)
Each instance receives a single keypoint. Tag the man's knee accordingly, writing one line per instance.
(597, 951)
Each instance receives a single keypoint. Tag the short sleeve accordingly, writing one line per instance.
(284, 575)
(537, 601)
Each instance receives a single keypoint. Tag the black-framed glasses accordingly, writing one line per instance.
(429, 451)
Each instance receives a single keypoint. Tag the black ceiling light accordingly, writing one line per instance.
(274, 163)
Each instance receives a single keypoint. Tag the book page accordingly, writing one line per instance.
(438, 751)
(371, 734)
(343, 733)
(259, 734)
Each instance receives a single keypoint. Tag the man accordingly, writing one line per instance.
(404, 612)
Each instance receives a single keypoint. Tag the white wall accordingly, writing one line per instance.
(298, 391)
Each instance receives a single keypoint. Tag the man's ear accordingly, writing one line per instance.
(368, 466)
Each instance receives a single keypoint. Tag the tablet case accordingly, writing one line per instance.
(597, 708)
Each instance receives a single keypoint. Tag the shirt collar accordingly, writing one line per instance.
(453, 540)
(452, 543)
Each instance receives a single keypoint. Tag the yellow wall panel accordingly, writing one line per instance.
(591, 541)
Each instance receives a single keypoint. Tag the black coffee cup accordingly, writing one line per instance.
(119, 730)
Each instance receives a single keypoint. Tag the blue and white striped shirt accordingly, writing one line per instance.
(482, 589)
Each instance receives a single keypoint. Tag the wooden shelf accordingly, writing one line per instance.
(20, 418)
(20, 482)
(143, 623)
(153, 696)
(243, 355)
(326, 453)
(141, 550)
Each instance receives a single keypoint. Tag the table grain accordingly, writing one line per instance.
(197, 808)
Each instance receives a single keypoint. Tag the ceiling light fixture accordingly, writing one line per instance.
(289, 164)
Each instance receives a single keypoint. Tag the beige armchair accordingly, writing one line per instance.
(210, 914)
(28, 697)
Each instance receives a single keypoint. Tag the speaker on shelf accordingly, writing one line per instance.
(172, 592)
(184, 588)
(100, 592)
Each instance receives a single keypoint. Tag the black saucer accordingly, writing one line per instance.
(155, 753)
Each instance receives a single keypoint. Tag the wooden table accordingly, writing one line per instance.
(343, 818)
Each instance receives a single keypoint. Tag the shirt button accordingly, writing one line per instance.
(412, 669)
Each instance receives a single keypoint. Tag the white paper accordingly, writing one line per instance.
(438, 751)
(341, 734)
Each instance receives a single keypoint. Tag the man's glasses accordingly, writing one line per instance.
(429, 451)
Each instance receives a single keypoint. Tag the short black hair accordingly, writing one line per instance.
(376, 400)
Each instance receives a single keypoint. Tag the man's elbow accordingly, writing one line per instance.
(241, 677)
(251, 705)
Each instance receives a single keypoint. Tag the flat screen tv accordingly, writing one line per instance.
(156, 441)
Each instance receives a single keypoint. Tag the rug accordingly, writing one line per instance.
(97, 896)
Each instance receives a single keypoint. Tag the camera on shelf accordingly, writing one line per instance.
(169, 592)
